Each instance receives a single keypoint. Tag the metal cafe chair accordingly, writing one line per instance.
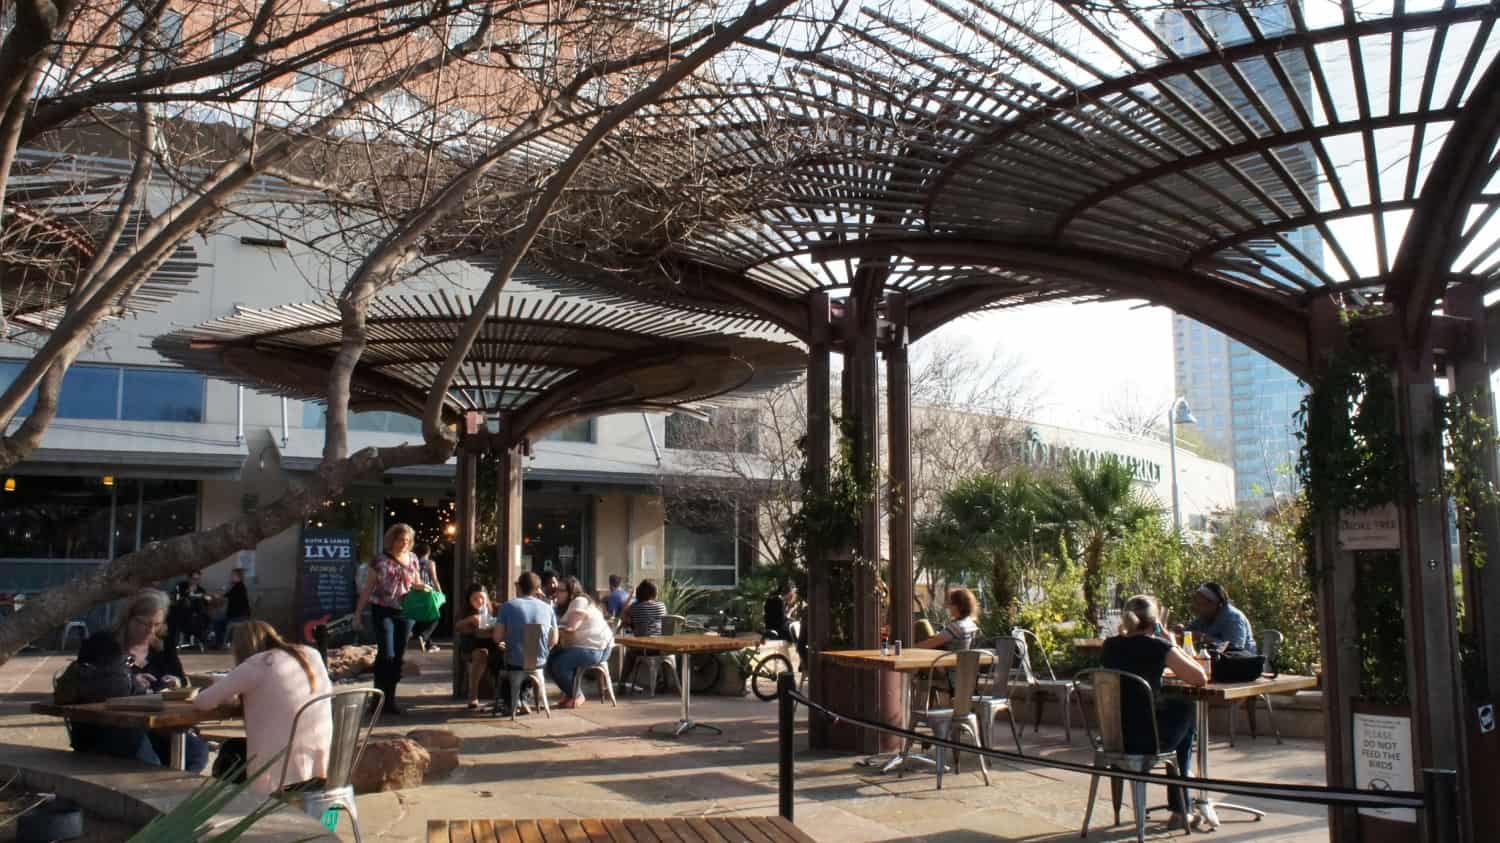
(960, 719)
(351, 731)
(515, 678)
(1270, 648)
(990, 706)
(1041, 687)
(1109, 746)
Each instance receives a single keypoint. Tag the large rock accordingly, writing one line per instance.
(442, 747)
(391, 764)
(351, 661)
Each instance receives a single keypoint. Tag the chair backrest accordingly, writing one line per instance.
(531, 647)
(351, 731)
(1109, 701)
(999, 670)
(1034, 645)
(1270, 648)
(965, 679)
(672, 624)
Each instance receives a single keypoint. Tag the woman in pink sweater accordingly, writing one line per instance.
(274, 680)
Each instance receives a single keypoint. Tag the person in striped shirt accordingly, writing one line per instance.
(643, 617)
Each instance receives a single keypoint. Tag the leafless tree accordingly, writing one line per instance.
(1131, 412)
(401, 129)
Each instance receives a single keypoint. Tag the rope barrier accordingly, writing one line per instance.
(1307, 794)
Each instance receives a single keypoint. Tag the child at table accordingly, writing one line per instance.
(274, 680)
(1146, 650)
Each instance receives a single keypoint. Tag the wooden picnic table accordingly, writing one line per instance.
(686, 646)
(589, 830)
(175, 718)
(1205, 807)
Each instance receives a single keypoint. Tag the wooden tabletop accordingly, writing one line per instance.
(682, 643)
(911, 660)
(1088, 645)
(575, 830)
(1225, 691)
(172, 715)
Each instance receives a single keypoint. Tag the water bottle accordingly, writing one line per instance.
(885, 647)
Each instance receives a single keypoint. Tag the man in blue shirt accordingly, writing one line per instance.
(511, 623)
(618, 596)
(1217, 620)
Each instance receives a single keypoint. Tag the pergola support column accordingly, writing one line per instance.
(508, 464)
(819, 451)
(898, 420)
(1337, 614)
(466, 513)
(864, 404)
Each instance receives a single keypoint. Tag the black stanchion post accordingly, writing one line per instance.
(1440, 814)
(785, 732)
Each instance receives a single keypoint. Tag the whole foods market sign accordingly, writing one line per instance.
(1045, 454)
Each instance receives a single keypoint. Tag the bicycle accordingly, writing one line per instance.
(765, 671)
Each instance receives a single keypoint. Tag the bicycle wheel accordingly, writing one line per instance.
(763, 675)
(706, 672)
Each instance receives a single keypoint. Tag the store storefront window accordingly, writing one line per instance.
(575, 431)
(92, 517)
(375, 421)
(703, 543)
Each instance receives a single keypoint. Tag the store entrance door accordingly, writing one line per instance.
(555, 537)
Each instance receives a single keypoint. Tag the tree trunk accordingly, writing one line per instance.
(1093, 563)
(174, 557)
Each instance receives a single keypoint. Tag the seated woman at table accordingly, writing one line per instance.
(153, 666)
(476, 647)
(1145, 649)
(98, 674)
(643, 619)
(962, 629)
(586, 640)
(274, 680)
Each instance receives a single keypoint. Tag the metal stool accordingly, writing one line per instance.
(606, 685)
(68, 627)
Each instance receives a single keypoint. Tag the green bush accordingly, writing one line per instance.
(1058, 604)
(1260, 563)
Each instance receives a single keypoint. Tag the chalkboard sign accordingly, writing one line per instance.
(325, 580)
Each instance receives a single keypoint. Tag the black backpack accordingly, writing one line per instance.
(1233, 664)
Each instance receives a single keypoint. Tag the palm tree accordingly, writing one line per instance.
(989, 526)
(1099, 504)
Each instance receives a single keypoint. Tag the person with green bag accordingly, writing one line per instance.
(392, 576)
(425, 606)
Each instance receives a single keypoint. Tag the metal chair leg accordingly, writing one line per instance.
(1088, 812)
(1116, 788)
(1271, 717)
(1138, 800)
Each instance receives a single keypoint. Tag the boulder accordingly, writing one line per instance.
(390, 764)
(431, 739)
(350, 662)
(442, 747)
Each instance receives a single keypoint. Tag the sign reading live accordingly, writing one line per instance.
(1371, 529)
(325, 578)
(1383, 760)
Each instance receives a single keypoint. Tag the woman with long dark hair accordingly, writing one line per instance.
(476, 648)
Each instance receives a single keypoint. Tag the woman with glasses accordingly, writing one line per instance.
(137, 647)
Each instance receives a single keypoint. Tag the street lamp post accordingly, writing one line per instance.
(1177, 414)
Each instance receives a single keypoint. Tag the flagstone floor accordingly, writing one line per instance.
(603, 762)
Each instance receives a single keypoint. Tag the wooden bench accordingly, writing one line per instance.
(589, 830)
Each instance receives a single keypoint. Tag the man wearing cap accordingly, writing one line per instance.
(1216, 620)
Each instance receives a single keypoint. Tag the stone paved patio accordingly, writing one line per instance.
(599, 761)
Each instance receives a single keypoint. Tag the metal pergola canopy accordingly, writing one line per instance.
(541, 359)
